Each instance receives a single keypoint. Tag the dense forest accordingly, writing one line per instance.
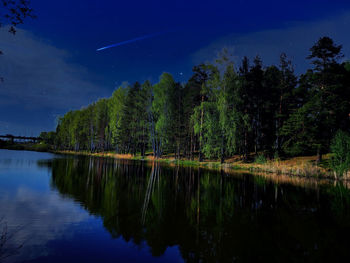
(223, 110)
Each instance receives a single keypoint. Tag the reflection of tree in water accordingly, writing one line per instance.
(210, 216)
(150, 187)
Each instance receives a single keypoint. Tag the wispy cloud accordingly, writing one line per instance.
(294, 38)
(37, 74)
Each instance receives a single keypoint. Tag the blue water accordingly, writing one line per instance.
(54, 228)
(57, 208)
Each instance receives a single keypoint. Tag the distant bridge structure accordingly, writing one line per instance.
(13, 138)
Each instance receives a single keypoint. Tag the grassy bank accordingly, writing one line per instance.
(305, 166)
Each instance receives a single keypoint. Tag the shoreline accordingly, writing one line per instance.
(294, 167)
(298, 171)
(298, 167)
(298, 175)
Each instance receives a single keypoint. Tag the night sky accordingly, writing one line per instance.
(51, 65)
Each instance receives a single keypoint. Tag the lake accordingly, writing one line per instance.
(58, 208)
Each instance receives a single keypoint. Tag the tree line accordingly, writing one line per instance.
(222, 110)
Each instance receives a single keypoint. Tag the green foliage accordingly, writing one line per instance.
(133, 129)
(48, 137)
(340, 148)
(221, 111)
(37, 147)
(115, 105)
(211, 131)
(300, 132)
(260, 159)
(347, 66)
(276, 157)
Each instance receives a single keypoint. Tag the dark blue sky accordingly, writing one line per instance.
(51, 65)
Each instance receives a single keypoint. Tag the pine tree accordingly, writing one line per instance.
(325, 55)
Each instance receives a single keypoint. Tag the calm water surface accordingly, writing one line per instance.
(57, 208)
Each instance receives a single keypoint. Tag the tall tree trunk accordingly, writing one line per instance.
(191, 149)
(245, 145)
(200, 132)
(143, 146)
(279, 125)
(222, 159)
